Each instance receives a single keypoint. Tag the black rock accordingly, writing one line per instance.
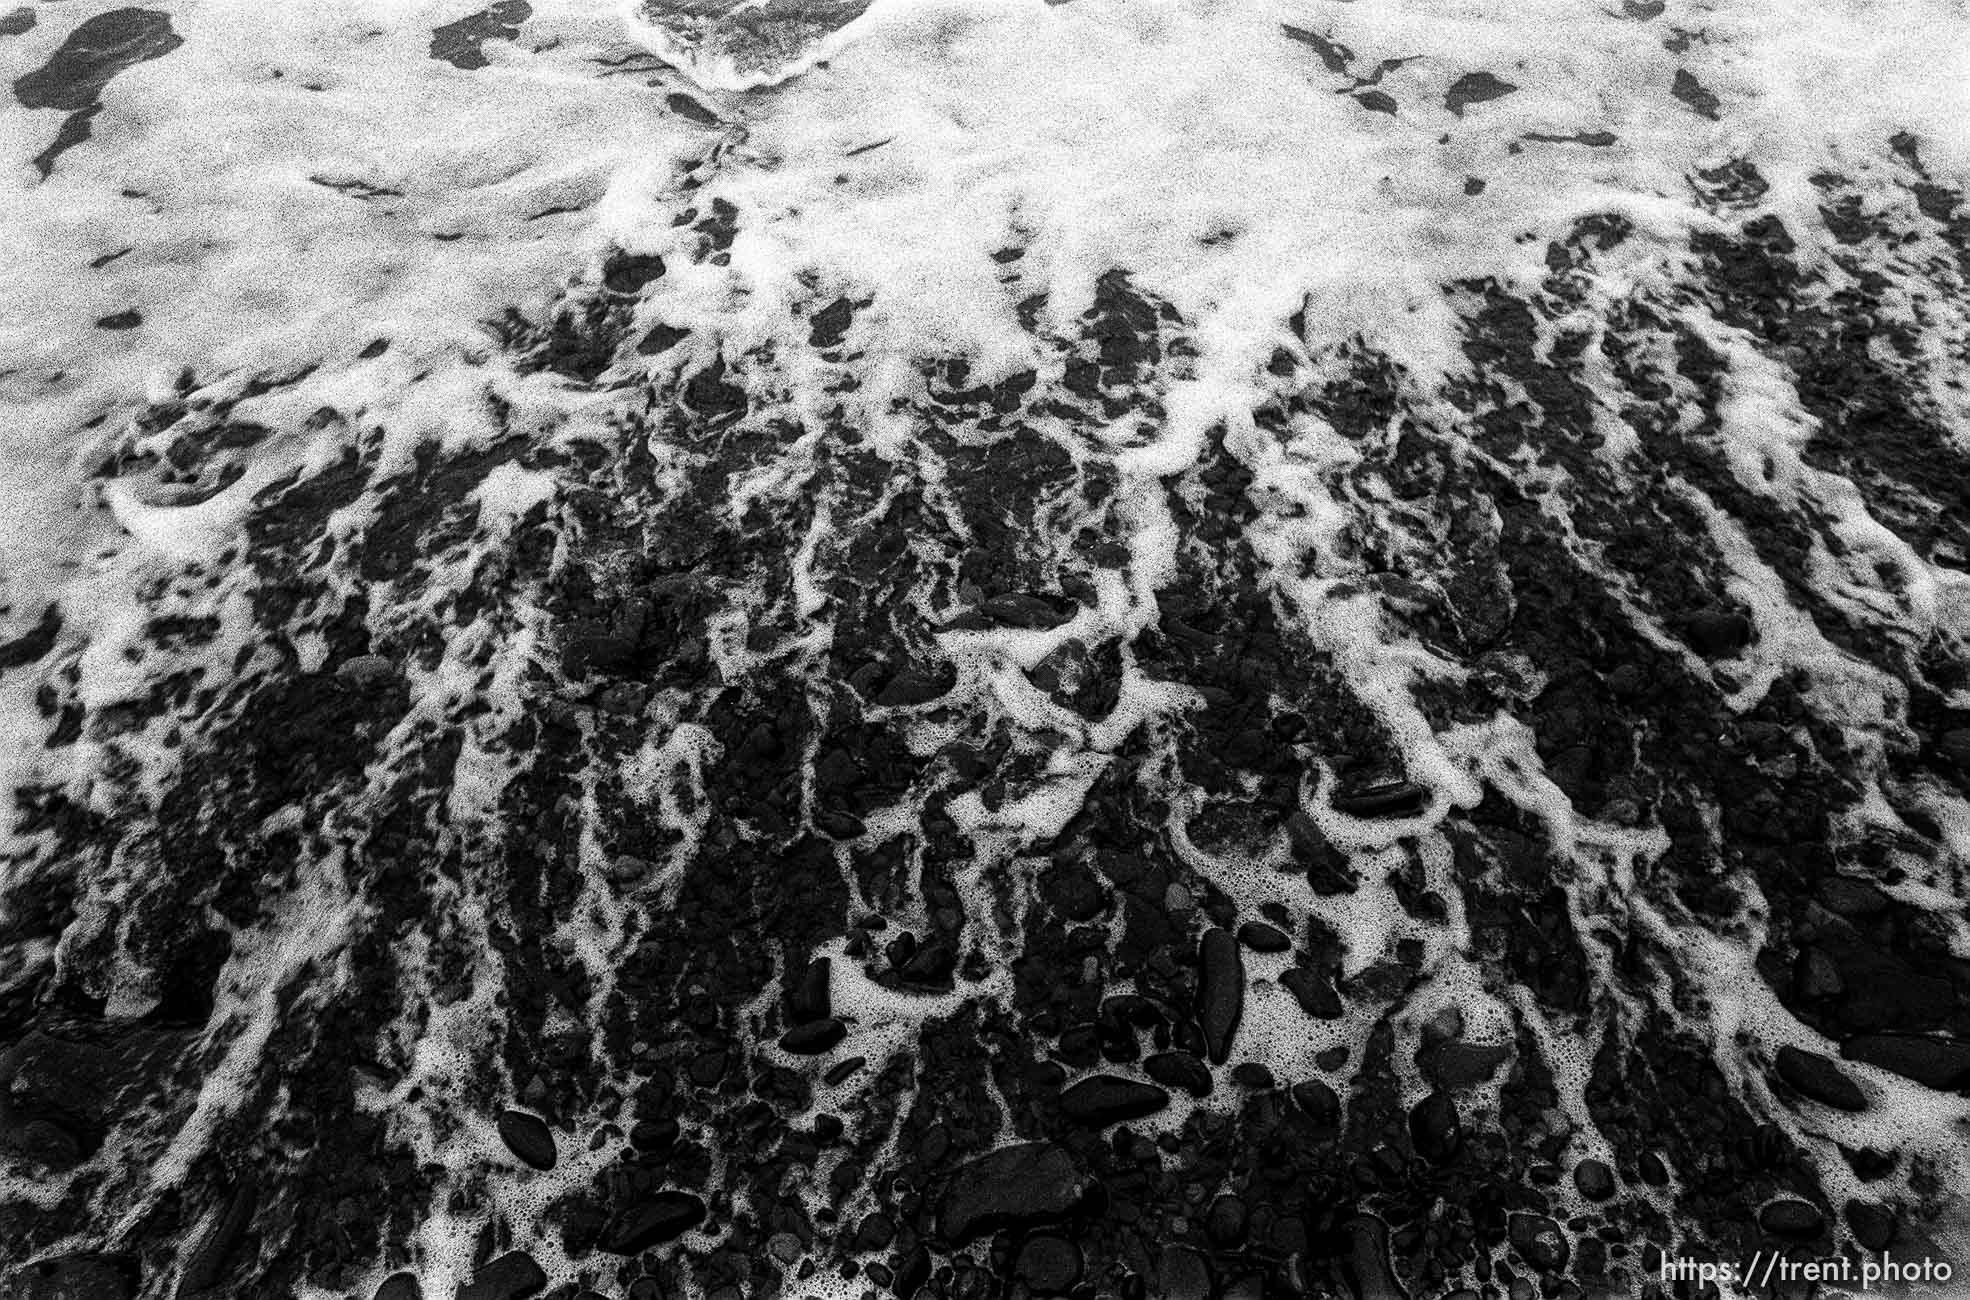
(1220, 991)
(1260, 937)
(1224, 1222)
(1048, 1265)
(1110, 1099)
(1475, 88)
(1873, 1225)
(1013, 1187)
(1539, 1242)
(814, 1037)
(1314, 992)
(1716, 633)
(1791, 1218)
(528, 1137)
(1391, 799)
(1253, 1074)
(98, 49)
(809, 996)
(627, 272)
(1320, 1103)
(1179, 1070)
(1819, 1078)
(1594, 1179)
(1939, 1063)
(664, 1217)
(1434, 1128)
(1653, 1171)
(686, 107)
(513, 1276)
(73, 1277)
(400, 1286)
(1182, 1273)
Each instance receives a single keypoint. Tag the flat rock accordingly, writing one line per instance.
(527, 1136)
(664, 1217)
(1820, 1078)
(1791, 1218)
(1434, 1128)
(1939, 1063)
(1014, 1187)
(513, 1276)
(1047, 1264)
(1540, 1242)
(1110, 1099)
(814, 1037)
(1179, 1070)
(1594, 1179)
(1220, 991)
(400, 1286)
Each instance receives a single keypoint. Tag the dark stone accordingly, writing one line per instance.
(1220, 992)
(17, 22)
(1539, 1241)
(1320, 1102)
(810, 997)
(1225, 1221)
(400, 1286)
(1179, 1070)
(73, 78)
(1389, 799)
(459, 43)
(629, 272)
(1253, 1074)
(1434, 1128)
(1717, 633)
(1182, 1273)
(1819, 1078)
(1048, 1265)
(1110, 1099)
(1653, 1171)
(664, 1217)
(127, 319)
(661, 338)
(814, 1037)
(74, 1277)
(1791, 1218)
(1939, 1063)
(1315, 993)
(1260, 937)
(513, 1276)
(1475, 88)
(1594, 1179)
(1873, 1224)
(1014, 1187)
(528, 1137)
(686, 107)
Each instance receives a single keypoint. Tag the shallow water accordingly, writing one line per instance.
(1116, 648)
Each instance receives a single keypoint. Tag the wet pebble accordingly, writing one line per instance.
(1939, 1063)
(1260, 937)
(1434, 1128)
(1594, 1179)
(1819, 1078)
(400, 1286)
(513, 1276)
(814, 1037)
(1221, 991)
(1179, 1070)
(664, 1217)
(1015, 1186)
(1791, 1218)
(1110, 1099)
(1539, 1241)
(1047, 1264)
(528, 1137)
